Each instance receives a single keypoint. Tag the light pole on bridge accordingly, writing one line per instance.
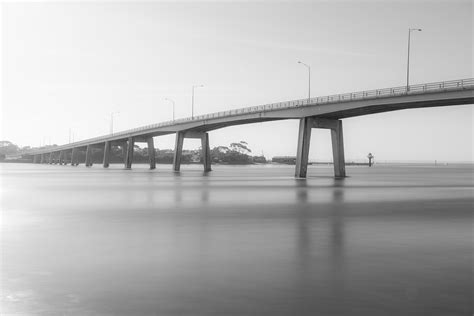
(192, 99)
(167, 99)
(112, 122)
(309, 79)
(408, 57)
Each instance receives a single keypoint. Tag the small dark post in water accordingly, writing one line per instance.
(370, 156)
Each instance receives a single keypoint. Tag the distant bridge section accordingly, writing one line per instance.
(320, 112)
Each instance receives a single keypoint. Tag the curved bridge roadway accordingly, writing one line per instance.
(320, 112)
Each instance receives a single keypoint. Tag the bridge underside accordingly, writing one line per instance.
(394, 107)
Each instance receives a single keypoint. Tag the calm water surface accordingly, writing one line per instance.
(388, 240)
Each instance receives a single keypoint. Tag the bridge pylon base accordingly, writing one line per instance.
(304, 139)
(205, 149)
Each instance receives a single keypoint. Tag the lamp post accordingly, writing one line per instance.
(408, 57)
(192, 100)
(167, 99)
(309, 79)
(112, 122)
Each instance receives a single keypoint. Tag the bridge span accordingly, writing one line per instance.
(324, 112)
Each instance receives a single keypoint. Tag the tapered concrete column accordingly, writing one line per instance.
(74, 157)
(107, 148)
(89, 156)
(178, 151)
(129, 157)
(151, 152)
(302, 153)
(338, 150)
(124, 152)
(206, 152)
(61, 157)
(43, 159)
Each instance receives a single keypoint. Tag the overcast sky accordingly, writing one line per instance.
(69, 65)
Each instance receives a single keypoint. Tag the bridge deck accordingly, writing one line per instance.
(455, 92)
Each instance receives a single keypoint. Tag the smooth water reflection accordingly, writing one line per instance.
(236, 241)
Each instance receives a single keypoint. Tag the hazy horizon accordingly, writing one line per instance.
(69, 65)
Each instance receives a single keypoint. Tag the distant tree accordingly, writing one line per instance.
(7, 147)
(240, 147)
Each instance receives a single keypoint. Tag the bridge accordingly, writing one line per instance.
(324, 112)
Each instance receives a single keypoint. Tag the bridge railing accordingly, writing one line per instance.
(432, 87)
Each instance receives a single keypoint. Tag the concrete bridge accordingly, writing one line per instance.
(320, 112)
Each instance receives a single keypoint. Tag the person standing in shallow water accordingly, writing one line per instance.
(370, 156)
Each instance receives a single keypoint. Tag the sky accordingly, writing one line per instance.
(68, 65)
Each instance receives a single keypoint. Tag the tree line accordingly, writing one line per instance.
(235, 153)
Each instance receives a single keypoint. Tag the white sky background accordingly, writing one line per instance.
(68, 65)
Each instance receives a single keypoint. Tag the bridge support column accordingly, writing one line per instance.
(338, 150)
(88, 156)
(124, 152)
(74, 157)
(61, 157)
(50, 158)
(43, 159)
(151, 152)
(129, 156)
(178, 151)
(302, 152)
(206, 152)
(107, 148)
(304, 138)
(35, 158)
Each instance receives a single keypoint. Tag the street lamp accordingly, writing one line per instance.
(71, 134)
(408, 58)
(192, 100)
(173, 105)
(309, 80)
(112, 122)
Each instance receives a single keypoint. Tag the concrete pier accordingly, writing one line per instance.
(304, 139)
(205, 151)
(178, 151)
(129, 156)
(51, 158)
(36, 159)
(74, 157)
(61, 157)
(107, 149)
(43, 158)
(124, 151)
(302, 151)
(338, 150)
(151, 152)
(89, 156)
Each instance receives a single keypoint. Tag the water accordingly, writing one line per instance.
(388, 240)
